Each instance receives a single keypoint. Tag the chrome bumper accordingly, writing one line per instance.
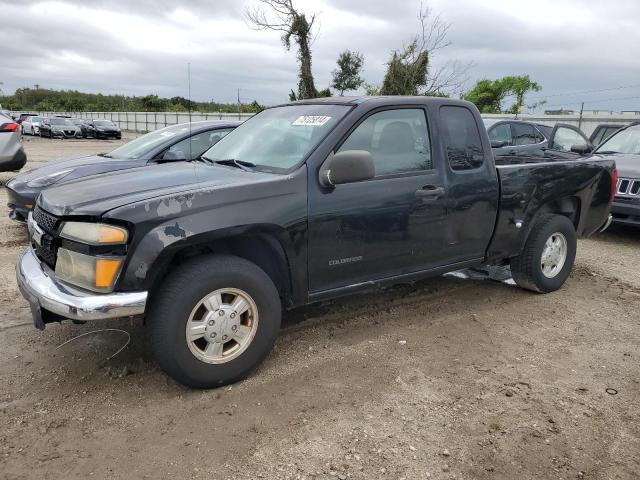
(607, 224)
(44, 292)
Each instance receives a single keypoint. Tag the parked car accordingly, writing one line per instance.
(516, 137)
(23, 116)
(623, 147)
(177, 142)
(603, 131)
(86, 129)
(105, 129)
(31, 125)
(12, 156)
(59, 128)
(303, 202)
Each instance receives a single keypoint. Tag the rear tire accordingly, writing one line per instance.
(202, 299)
(548, 255)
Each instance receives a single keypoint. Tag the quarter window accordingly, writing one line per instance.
(462, 138)
(398, 140)
(524, 134)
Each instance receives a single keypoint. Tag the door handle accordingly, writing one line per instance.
(430, 191)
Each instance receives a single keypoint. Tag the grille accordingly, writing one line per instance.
(46, 251)
(46, 221)
(628, 187)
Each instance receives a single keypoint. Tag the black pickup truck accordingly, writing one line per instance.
(303, 202)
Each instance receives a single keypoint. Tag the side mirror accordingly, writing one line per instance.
(174, 156)
(497, 143)
(347, 167)
(582, 149)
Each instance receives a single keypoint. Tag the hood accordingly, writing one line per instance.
(96, 195)
(82, 167)
(628, 165)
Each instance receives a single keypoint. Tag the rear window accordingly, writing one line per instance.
(461, 138)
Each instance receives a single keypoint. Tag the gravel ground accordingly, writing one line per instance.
(447, 378)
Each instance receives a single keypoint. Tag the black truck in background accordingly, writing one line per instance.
(303, 202)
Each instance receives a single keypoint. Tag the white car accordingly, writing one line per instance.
(31, 125)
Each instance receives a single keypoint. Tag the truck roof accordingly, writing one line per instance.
(395, 99)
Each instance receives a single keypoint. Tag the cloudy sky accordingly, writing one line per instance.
(578, 50)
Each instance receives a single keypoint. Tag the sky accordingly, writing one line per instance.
(577, 50)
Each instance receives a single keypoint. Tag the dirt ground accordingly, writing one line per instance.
(448, 378)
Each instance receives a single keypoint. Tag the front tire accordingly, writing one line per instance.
(548, 255)
(214, 320)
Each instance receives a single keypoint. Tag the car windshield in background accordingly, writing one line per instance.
(61, 122)
(141, 145)
(277, 139)
(625, 141)
(103, 123)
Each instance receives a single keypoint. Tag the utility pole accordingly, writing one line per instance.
(580, 119)
(239, 108)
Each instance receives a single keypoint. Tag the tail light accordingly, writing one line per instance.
(614, 184)
(9, 127)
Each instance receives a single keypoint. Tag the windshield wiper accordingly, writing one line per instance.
(106, 155)
(606, 152)
(246, 166)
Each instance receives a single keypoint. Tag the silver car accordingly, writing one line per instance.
(31, 125)
(12, 156)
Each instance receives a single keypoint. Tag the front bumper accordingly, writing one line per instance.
(626, 211)
(47, 296)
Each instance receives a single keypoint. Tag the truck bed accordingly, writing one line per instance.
(531, 187)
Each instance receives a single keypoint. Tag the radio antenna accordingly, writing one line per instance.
(189, 105)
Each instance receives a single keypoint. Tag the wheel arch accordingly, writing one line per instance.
(569, 206)
(260, 246)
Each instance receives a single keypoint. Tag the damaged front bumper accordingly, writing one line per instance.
(51, 301)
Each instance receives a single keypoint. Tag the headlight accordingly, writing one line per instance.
(93, 273)
(47, 180)
(94, 233)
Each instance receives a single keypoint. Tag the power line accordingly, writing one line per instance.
(584, 92)
(601, 100)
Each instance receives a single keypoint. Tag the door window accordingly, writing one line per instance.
(524, 134)
(501, 133)
(565, 138)
(398, 140)
(462, 138)
(199, 143)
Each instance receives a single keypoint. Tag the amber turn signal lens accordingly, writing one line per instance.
(106, 271)
(112, 235)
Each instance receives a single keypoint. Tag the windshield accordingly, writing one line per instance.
(61, 121)
(625, 141)
(278, 138)
(103, 123)
(142, 145)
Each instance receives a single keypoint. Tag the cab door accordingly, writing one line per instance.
(565, 139)
(386, 226)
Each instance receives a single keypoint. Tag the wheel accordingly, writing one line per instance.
(548, 255)
(214, 320)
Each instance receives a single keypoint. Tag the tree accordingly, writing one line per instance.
(283, 17)
(489, 95)
(347, 76)
(409, 70)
